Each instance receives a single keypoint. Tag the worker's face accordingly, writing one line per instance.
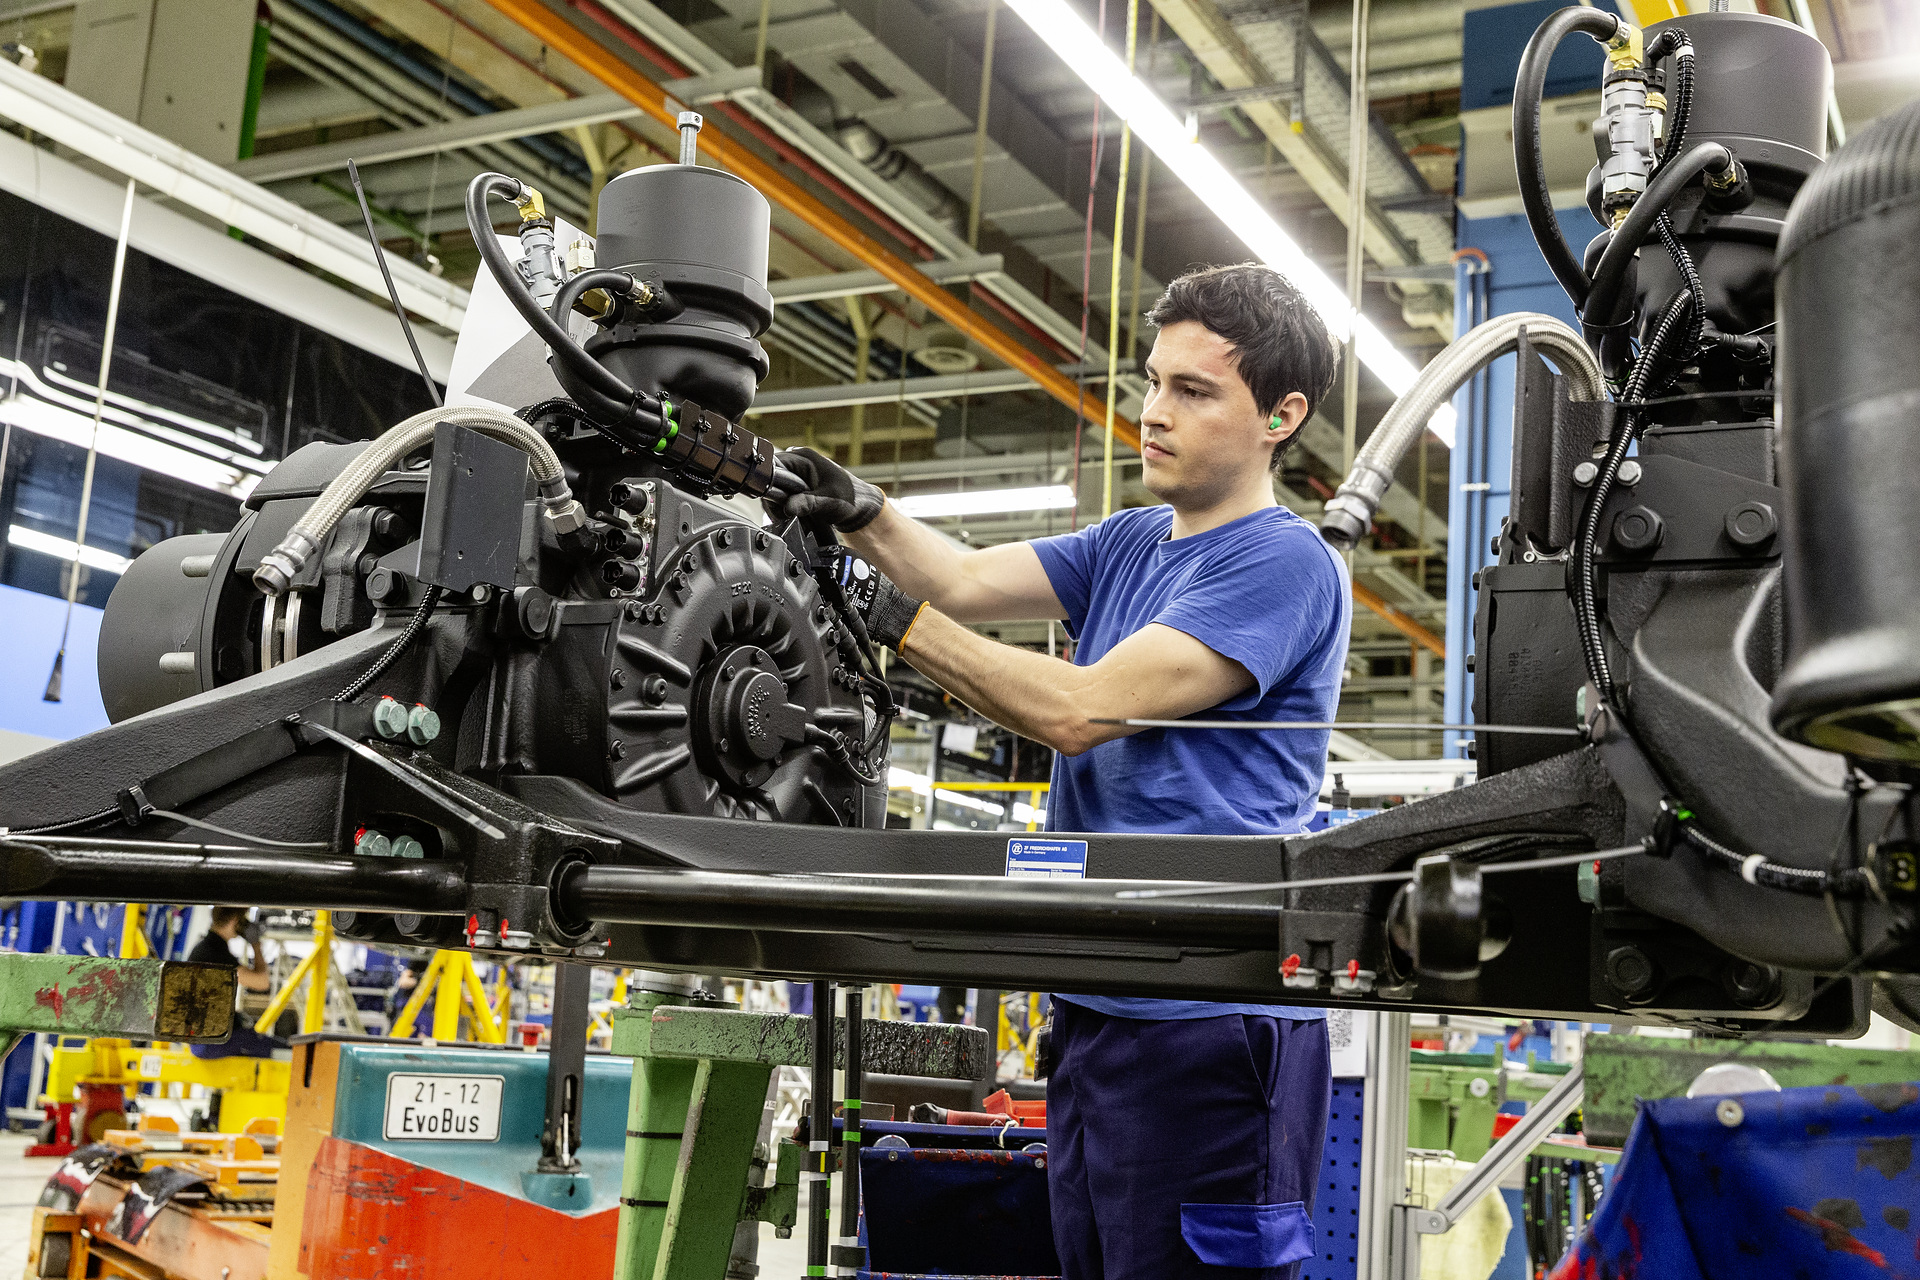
(1203, 439)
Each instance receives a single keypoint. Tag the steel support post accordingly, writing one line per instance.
(848, 1257)
(100, 997)
(566, 1067)
(820, 1133)
(1383, 1143)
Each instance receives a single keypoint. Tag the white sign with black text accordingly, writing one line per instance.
(443, 1108)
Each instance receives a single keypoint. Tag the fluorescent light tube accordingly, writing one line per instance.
(1077, 44)
(62, 548)
(980, 502)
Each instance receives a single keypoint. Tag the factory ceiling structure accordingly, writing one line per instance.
(946, 194)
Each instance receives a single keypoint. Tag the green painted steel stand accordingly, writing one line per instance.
(131, 999)
(700, 1077)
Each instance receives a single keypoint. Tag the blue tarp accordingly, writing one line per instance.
(1817, 1182)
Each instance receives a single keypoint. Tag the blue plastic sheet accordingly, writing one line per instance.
(1817, 1182)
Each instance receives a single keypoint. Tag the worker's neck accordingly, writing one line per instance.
(1255, 494)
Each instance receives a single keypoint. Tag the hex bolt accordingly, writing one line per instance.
(726, 537)
(617, 749)
(727, 672)
(372, 844)
(1632, 972)
(1751, 524)
(723, 744)
(381, 584)
(617, 678)
(1630, 472)
(408, 847)
(389, 718)
(1638, 530)
(654, 690)
(761, 539)
(1585, 474)
(423, 724)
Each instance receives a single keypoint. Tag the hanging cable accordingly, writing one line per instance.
(380, 259)
(1086, 287)
(1113, 288)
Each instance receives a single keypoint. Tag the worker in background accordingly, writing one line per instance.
(216, 947)
(1183, 1137)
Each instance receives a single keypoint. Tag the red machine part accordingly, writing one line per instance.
(74, 1124)
(368, 1212)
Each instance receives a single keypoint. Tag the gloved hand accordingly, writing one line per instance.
(253, 932)
(888, 612)
(833, 493)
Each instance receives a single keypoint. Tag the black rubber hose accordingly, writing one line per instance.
(1528, 88)
(590, 371)
(639, 422)
(1585, 588)
(1641, 221)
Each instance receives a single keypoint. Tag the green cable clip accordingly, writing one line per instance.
(673, 427)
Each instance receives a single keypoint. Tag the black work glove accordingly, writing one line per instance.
(832, 493)
(888, 612)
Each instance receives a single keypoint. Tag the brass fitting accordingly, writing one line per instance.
(531, 204)
(1625, 52)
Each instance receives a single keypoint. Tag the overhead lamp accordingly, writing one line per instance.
(981, 502)
(1081, 48)
(44, 414)
(62, 548)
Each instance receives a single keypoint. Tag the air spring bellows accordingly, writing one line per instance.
(1849, 403)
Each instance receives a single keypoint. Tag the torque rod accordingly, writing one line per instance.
(107, 870)
(822, 903)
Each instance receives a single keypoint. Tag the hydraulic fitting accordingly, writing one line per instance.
(279, 567)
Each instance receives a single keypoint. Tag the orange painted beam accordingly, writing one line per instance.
(564, 38)
(1399, 621)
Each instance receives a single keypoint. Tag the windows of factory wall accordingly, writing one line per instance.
(200, 375)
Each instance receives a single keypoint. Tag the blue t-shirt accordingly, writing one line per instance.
(1264, 590)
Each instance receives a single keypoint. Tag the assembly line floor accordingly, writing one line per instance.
(21, 1180)
(20, 1183)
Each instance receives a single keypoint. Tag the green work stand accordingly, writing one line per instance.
(1622, 1071)
(700, 1078)
(131, 999)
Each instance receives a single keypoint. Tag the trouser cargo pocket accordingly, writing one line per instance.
(1247, 1235)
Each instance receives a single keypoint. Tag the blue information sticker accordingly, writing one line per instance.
(1047, 859)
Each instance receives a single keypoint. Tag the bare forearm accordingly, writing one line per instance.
(1035, 696)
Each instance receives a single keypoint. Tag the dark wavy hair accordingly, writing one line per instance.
(1280, 344)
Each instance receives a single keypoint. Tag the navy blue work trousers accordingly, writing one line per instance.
(1184, 1150)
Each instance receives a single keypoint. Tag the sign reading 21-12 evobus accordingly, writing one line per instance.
(443, 1108)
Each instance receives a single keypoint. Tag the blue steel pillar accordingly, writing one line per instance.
(1518, 280)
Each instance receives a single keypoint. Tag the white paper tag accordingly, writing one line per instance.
(443, 1108)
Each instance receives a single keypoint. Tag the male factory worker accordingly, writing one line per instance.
(216, 947)
(1184, 1137)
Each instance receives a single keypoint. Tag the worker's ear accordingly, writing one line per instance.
(1287, 417)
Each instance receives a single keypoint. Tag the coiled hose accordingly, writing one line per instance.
(1349, 512)
(309, 533)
